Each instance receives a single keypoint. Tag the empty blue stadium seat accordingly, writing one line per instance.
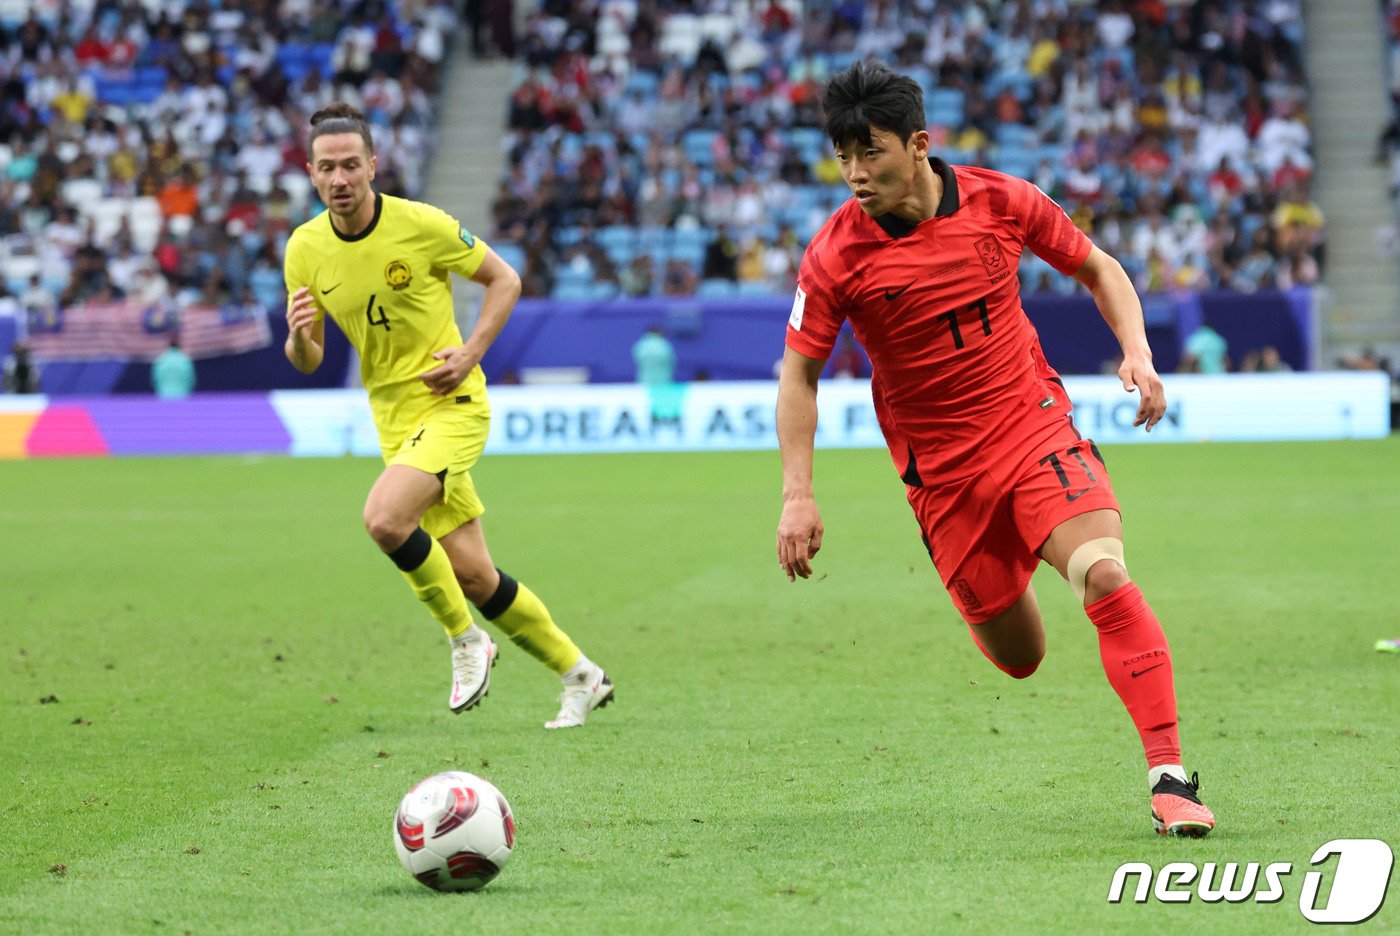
(1017, 163)
(617, 234)
(945, 107)
(580, 292)
(839, 61)
(694, 254)
(699, 146)
(643, 81)
(1018, 136)
(716, 289)
(512, 254)
(746, 81)
(321, 56)
(1018, 82)
(691, 237)
(651, 239)
(620, 254)
(754, 289)
(809, 196)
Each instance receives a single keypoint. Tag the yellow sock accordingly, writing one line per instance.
(526, 621)
(425, 565)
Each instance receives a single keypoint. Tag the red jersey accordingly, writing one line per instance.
(958, 373)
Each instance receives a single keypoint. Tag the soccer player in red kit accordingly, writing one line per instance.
(923, 263)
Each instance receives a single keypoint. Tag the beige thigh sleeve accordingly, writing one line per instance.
(1083, 559)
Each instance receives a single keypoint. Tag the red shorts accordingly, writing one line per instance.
(984, 533)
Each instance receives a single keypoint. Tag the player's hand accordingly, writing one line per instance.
(1137, 373)
(457, 363)
(301, 315)
(799, 537)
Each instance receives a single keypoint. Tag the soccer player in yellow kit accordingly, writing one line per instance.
(381, 267)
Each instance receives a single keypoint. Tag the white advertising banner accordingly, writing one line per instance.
(716, 416)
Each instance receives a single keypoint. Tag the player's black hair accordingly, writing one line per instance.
(869, 95)
(339, 117)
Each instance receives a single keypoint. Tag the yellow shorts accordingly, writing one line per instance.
(447, 443)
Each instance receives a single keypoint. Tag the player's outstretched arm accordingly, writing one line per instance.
(1118, 303)
(502, 290)
(800, 528)
(306, 338)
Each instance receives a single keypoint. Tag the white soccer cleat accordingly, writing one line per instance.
(590, 690)
(471, 671)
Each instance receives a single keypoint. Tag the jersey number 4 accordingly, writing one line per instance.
(369, 313)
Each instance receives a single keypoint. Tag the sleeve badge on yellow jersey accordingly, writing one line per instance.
(468, 239)
(398, 275)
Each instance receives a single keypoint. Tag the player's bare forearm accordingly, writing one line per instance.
(306, 332)
(1118, 303)
(502, 291)
(305, 355)
(800, 526)
(496, 308)
(797, 423)
(1116, 298)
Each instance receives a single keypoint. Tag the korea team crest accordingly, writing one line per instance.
(398, 275)
(993, 260)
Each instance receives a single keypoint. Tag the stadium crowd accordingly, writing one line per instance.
(1388, 146)
(668, 147)
(155, 152)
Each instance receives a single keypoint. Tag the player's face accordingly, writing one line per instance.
(341, 168)
(881, 175)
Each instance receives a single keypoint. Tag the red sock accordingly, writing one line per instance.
(1015, 672)
(1139, 667)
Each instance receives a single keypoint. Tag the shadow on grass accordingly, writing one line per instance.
(412, 891)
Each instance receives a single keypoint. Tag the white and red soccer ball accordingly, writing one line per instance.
(454, 831)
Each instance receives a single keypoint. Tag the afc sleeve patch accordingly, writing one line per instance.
(799, 303)
(468, 239)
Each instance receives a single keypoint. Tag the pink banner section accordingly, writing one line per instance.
(65, 430)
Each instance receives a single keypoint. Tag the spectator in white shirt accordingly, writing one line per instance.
(260, 160)
(1284, 136)
(1221, 138)
(37, 298)
(1115, 26)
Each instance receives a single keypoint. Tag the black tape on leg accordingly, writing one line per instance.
(504, 597)
(414, 551)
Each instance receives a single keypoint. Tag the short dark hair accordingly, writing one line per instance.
(869, 95)
(338, 117)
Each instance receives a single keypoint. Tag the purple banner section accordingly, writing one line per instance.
(208, 424)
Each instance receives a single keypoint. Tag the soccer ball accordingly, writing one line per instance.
(454, 831)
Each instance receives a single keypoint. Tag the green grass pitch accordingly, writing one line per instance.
(240, 689)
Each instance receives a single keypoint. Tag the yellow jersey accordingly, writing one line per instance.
(389, 289)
